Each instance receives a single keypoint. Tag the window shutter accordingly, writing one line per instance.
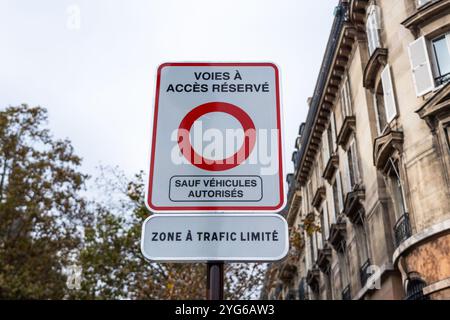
(333, 131)
(330, 200)
(369, 29)
(421, 66)
(372, 27)
(325, 147)
(349, 108)
(340, 194)
(389, 98)
(346, 99)
(422, 2)
(326, 222)
(355, 161)
(348, 181)
(319, 240)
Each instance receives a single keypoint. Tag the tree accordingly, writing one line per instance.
(114, 267)
(40, 208)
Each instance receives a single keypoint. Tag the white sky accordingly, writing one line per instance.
(98, 81)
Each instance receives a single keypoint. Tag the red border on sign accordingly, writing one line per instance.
(221, 208)
(217, 165)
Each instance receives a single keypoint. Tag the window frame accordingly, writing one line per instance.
(435, 65)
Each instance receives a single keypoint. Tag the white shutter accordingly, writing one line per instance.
(339, 189)
(372, 27)
(326, 222)
(325, 148)
(355, 161)
(377, 118)
(421, 66)
(346, 99)
(308, 254)
(348, 109)
(333, 131)
(369, 29)
(422, 2)
(319, 240)
(389, 97)
(348, 182)
(330, 200)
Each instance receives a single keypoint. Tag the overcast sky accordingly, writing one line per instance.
(97, 79)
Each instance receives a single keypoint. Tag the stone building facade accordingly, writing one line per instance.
(369, 201)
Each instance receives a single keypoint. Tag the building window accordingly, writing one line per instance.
(346, 101)
(384, 100)
(325, 222)
(345, 275)
(430, 63)
(337, 195)
(447, 135)
(441, 58)
(352, 167)
(397, 191)
(402, 228)
(325, 148)
(373, 28)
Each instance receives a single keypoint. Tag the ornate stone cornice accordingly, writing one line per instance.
(353, 206)
(338, 233)
(318, 198)
(348, 126)
(386, 146)
(437, 107)
(426, 14)
(374, 67)
(330, 168)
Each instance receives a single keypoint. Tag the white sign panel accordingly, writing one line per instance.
(215, 237)
(216, 143)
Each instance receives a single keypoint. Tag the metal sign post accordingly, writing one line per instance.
(214, 280)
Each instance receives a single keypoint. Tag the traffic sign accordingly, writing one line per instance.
(217, 139)
(215, 237)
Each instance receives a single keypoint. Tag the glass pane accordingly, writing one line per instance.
(442, 55)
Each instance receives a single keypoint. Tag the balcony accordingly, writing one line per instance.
(324, 260)
(318, 198)
(387, 146)
(348, 126)
(353, 206)
(364, 274)
(313, 279)
(402, 229)
(442, 79)
(346, 294)
(374, 66)
(331, 168)
(338, 233)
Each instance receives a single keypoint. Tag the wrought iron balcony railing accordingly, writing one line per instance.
(346, 294)
(402, 229)
(442, 79)
(364, 272)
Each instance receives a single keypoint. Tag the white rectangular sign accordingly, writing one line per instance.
(215, 237)
(217, 139)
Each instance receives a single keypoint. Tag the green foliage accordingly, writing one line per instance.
(40, 207)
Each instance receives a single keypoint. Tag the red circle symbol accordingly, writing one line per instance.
(235, 160)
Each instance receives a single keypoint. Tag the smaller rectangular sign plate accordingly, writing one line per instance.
(215, 237)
